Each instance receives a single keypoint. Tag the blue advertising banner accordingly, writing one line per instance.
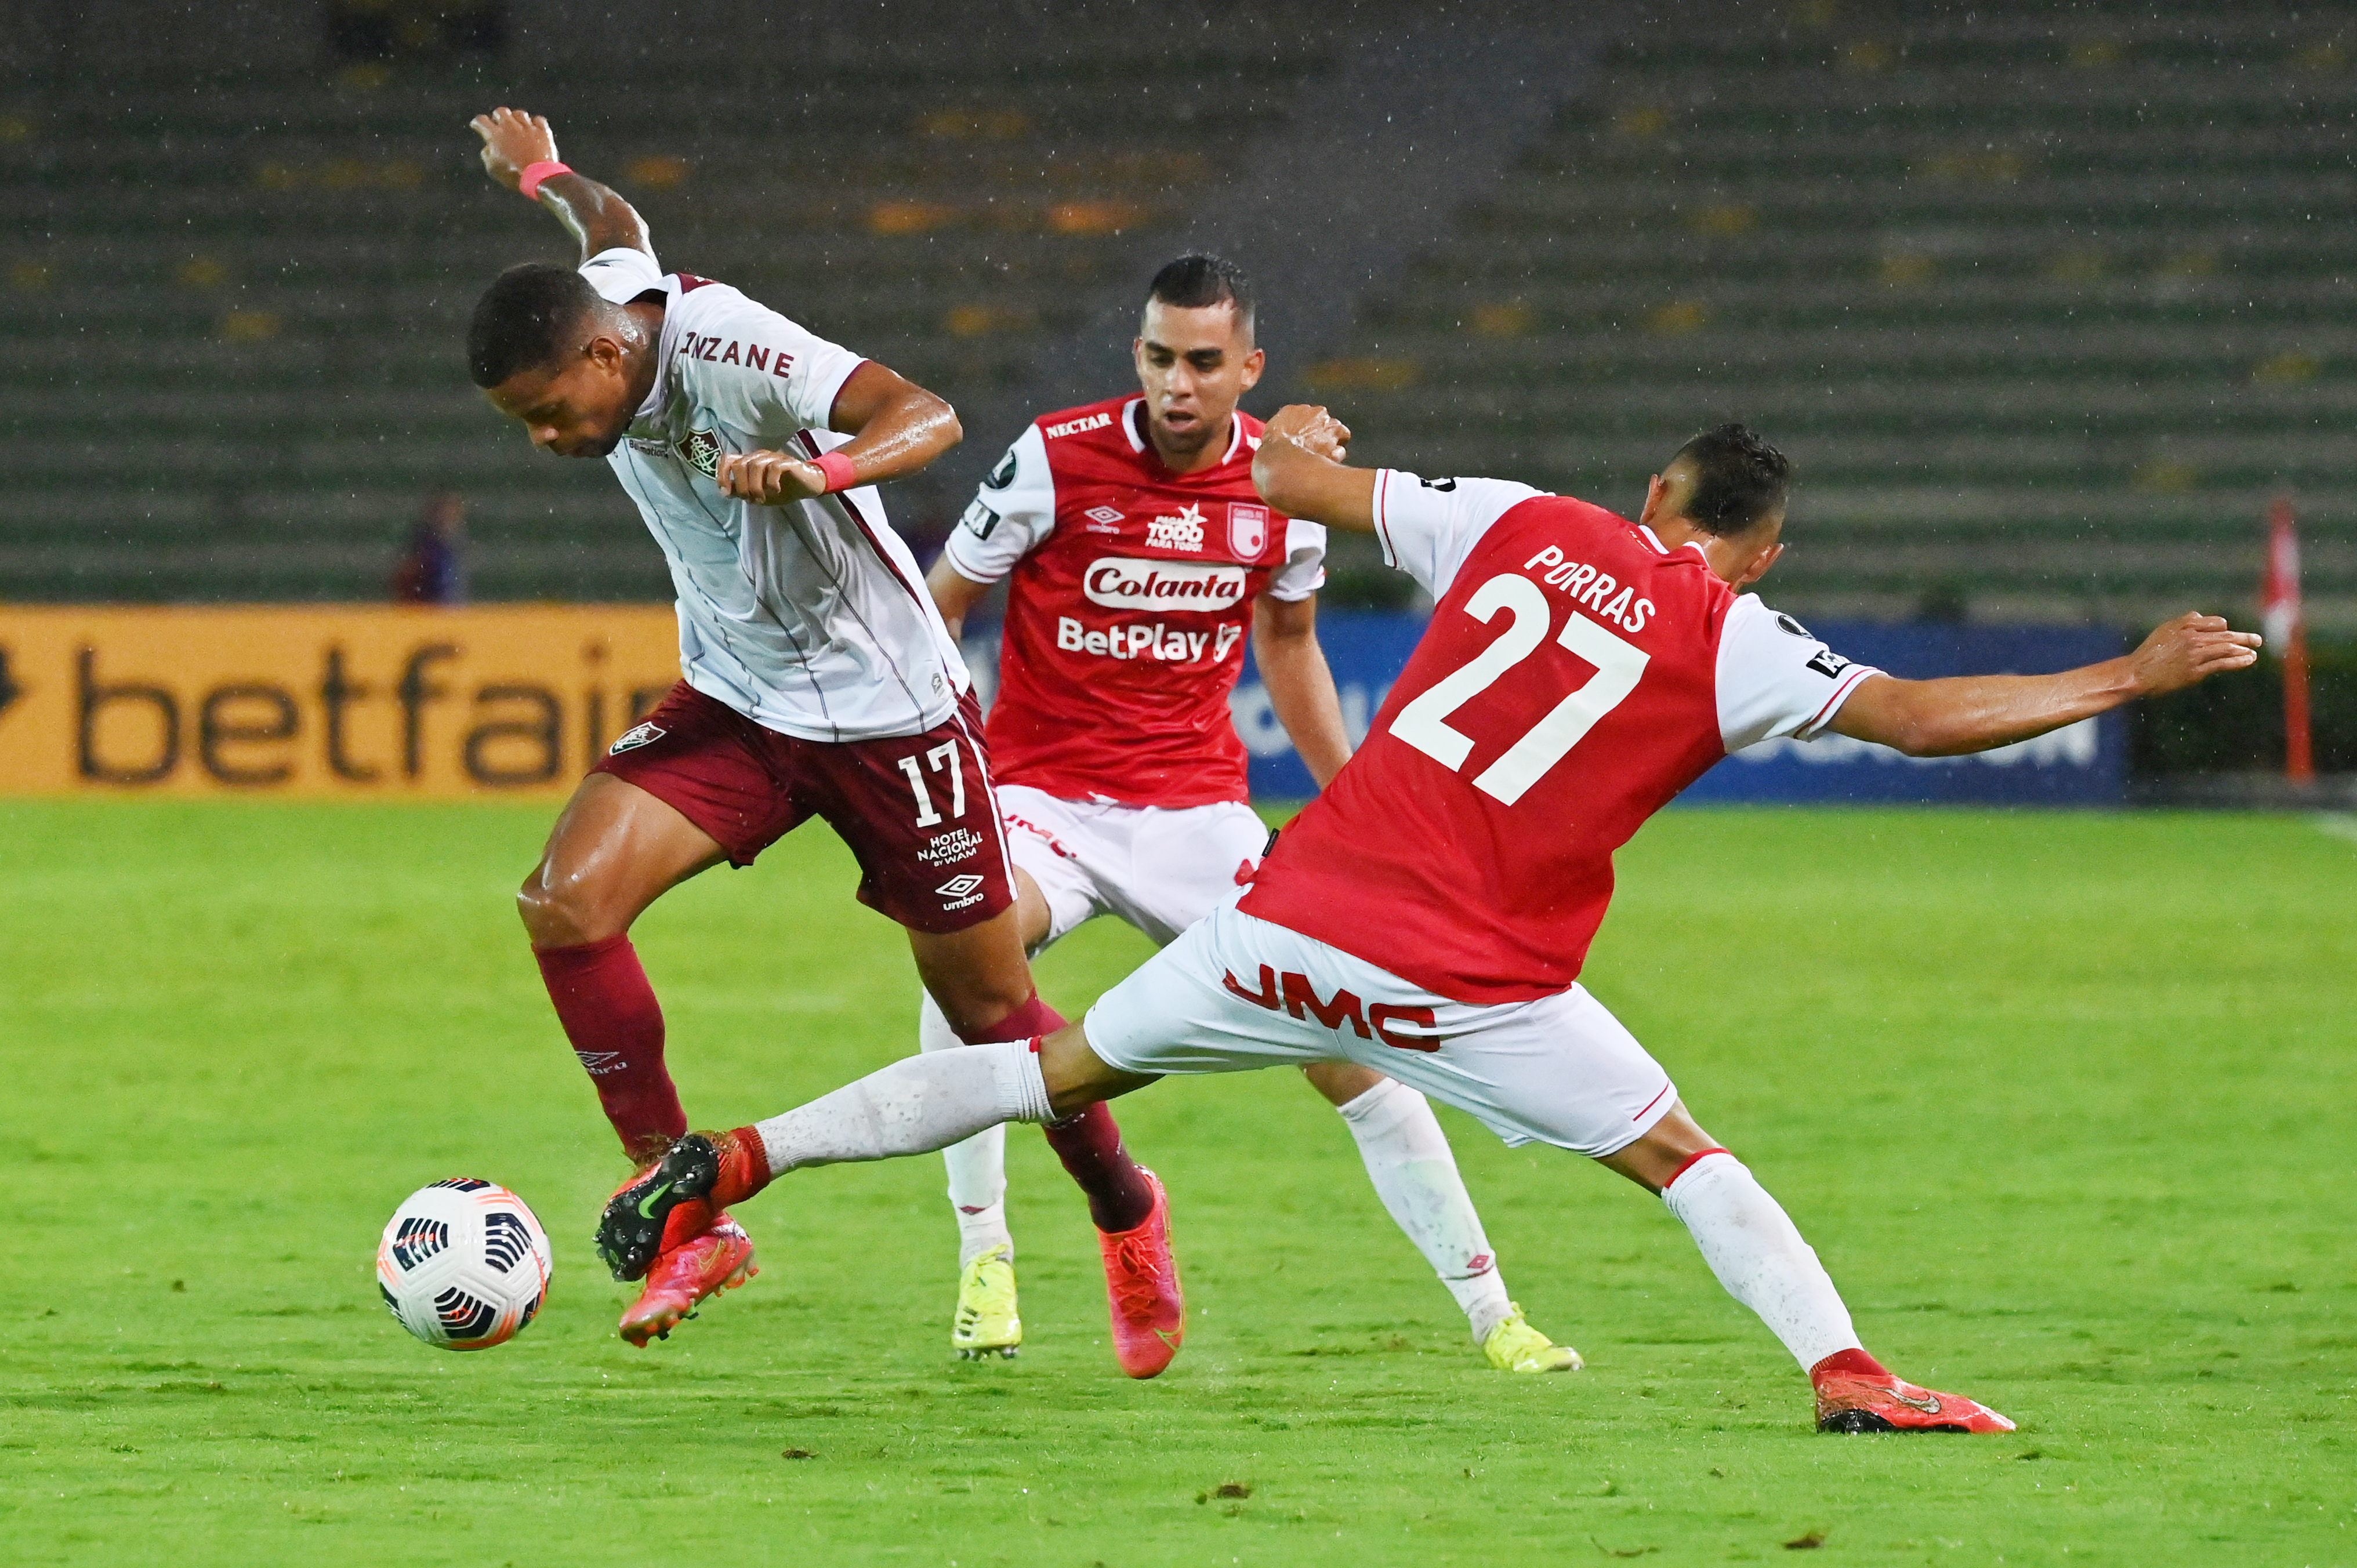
(2084, 764)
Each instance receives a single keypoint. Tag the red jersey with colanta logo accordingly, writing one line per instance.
(1129, 600)
(1578, 673)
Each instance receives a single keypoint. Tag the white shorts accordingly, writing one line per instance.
(1159, 870)
(1235, 993)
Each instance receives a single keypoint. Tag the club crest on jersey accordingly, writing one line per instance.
(700, 450)
(1183, 531)
(1247, 530)
(633, 738)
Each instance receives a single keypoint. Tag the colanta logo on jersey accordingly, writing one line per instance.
(1120, 585)
(700, 450)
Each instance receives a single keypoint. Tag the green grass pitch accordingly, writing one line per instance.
(2065, 1101)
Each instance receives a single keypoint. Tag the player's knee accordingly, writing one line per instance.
(977, 1007)
(559, 911)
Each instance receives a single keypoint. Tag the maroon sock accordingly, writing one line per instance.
(1089, 1143)
(610, 1014)
(1854, 1363)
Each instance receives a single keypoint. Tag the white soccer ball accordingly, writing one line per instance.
(464, 1264)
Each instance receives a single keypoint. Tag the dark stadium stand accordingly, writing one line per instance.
(2045, 302)
(233, 302)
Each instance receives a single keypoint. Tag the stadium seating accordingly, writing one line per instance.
(2045, 302)
(233, 302)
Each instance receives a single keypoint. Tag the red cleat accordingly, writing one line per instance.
(1149, 1311)
(719, 1258)
(1851, 1402)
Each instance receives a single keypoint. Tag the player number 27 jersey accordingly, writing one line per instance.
(1576, 676)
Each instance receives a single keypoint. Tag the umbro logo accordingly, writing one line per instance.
(631, 739)
(600, 1062)
(1103, 514)
(960, 891)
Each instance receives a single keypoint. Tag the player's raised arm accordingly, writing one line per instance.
(1977, 713)
(1301, 472)
(516, 145)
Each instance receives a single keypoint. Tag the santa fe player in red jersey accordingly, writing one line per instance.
(1430, 910)
(1139, 558)
(818, 681)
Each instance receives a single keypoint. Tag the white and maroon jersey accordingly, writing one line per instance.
(810, 618)
(1577, 675)
(1130, 599)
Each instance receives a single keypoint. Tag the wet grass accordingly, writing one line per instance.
(2065, 1101)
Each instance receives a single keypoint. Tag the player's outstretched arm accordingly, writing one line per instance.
(1300, 471)
(1976, 712)
(595, 214)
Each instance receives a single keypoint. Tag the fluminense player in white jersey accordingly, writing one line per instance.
(817, 680)
(1139, 561)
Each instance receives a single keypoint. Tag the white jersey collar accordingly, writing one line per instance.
(1661, 548)
(658, 391)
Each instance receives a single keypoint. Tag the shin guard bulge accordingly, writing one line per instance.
(1757, 1254)
(977, 1165)
(914, 1106)
(610, 1014)
(1089, 1143)
(1414, 1173)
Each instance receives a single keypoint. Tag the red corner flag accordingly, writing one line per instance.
(2287, 635)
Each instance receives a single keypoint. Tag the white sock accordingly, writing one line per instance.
(1751, 1245)
(977, 1166)
(1415, 1173)
(916, 1105)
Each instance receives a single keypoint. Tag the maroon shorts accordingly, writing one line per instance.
(917, 810)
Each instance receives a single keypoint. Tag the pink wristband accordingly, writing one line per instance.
(840, 474)
(534, 173)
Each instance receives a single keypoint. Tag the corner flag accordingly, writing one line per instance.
(2287, 634)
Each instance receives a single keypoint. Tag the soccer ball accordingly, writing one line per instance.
(463, 1264)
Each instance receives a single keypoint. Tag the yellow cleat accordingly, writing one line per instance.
(986, 1322)
(1513, 1345)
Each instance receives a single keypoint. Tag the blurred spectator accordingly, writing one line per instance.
(432, 571)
